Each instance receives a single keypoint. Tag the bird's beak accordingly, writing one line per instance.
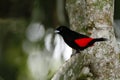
(56, 31)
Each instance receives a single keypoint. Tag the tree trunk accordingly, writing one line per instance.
(100, 62)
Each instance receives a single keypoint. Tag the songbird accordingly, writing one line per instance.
(76, 40)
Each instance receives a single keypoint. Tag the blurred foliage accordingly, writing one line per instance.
(16, 8)
(15, 17)
(12, 57)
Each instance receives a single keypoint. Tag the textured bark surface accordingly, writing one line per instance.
(100, 62)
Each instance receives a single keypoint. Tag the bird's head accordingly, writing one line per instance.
(61, 30)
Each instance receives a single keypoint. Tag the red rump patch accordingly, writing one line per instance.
(83, 41)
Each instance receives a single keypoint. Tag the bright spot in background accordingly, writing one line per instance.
(61, 48)
(39, 62)
(38, 65)
(48, 42)
(35, 32)
(67, 52)
(36, 62)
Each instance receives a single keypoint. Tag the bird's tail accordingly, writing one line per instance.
(100, 39)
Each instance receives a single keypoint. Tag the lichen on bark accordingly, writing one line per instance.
(101, 62)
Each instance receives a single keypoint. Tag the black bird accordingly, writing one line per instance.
(76, 40)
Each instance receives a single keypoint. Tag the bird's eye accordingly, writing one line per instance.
(61, 29)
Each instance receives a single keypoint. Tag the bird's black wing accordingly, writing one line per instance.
(78, 35)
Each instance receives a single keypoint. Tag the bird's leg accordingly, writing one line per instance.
(75, 52)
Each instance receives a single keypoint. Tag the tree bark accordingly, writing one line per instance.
(100, 62)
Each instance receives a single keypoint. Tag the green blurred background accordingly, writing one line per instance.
(27, 40)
